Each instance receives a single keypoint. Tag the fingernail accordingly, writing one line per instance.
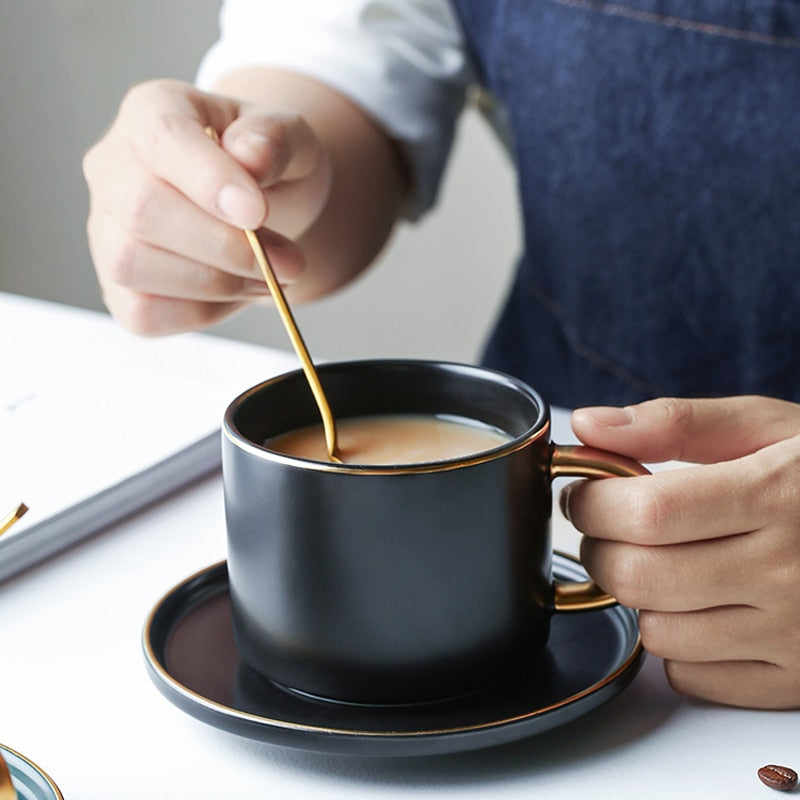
(250, 139)
(563, 501)
(609, 416)
(239, 205)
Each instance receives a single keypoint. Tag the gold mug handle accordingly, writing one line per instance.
(578, 461)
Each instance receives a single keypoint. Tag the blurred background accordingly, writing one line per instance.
(64, 67)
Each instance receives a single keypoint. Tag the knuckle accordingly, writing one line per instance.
(781, 569)
(626, 577)
(654, 633)
(154, 132)
(120, 259)
(145, 315)
(280, 143)
(138, 321)
(696, 680)
(215, 284)
(151, 136)
(141, 95)
(88, 162)
(133, 311)
(137, 206)
(764, 491)
(647, 509)
(676, 412)
(205, 314)
(678, 677)
(773, 483)
(227, 248)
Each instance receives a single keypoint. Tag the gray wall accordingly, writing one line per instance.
(65, 64)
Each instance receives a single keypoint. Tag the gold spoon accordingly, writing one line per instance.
(8, 520)
(7, 790)
(328, 422)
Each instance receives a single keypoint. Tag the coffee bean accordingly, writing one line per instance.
(780, 778)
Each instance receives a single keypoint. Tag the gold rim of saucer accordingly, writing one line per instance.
(165, 678)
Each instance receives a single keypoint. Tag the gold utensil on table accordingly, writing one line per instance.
(8, 520)
(7, 790)
(328, 422)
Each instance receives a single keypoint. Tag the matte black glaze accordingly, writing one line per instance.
(390, 585)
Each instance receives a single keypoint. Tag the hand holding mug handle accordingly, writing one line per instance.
(578, 461)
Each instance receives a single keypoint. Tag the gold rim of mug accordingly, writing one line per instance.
(390, 469)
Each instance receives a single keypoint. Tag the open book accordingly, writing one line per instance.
(96, 423)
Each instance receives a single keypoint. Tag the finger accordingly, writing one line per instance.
(671, 578)
(164, 275)
(273, 147)
(203, 266)
(749, 684)
(688, 504)
(146, 236)
(169, 138)
(726, 633)
(151, 212)
(144, 268)
(702, 431)
(288, 162)
(151, 315)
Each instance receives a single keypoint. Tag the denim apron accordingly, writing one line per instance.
(657, 144)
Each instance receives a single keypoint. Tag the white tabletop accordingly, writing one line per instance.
(75, 697)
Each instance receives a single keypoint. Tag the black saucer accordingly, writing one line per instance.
(191, 657)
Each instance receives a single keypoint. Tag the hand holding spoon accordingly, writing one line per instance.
(328, 423)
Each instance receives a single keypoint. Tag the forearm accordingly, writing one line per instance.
(369, 177)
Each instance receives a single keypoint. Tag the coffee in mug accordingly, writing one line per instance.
(393, 439)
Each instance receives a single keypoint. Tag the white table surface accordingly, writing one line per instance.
(75, 698)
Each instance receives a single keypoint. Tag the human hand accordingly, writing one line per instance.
(168, 204)
(710, 553)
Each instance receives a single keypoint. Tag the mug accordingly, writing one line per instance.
(399, 583)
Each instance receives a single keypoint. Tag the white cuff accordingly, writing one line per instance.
(402, 61)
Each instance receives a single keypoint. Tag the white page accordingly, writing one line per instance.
(85, 406)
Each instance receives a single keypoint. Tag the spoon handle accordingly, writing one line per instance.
(9, 519)
(299, 345)
(328, 422)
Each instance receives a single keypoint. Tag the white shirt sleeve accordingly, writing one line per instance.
(403, 61)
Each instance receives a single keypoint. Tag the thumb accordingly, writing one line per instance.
(273, 146)
(701, 431)
(288, 162)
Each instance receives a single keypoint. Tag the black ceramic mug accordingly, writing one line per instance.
(403, 583)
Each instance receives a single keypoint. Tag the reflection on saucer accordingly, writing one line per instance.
(250, 689)
(192, 658)
(30, 782)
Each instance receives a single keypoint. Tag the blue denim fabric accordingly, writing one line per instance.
(658, 150)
